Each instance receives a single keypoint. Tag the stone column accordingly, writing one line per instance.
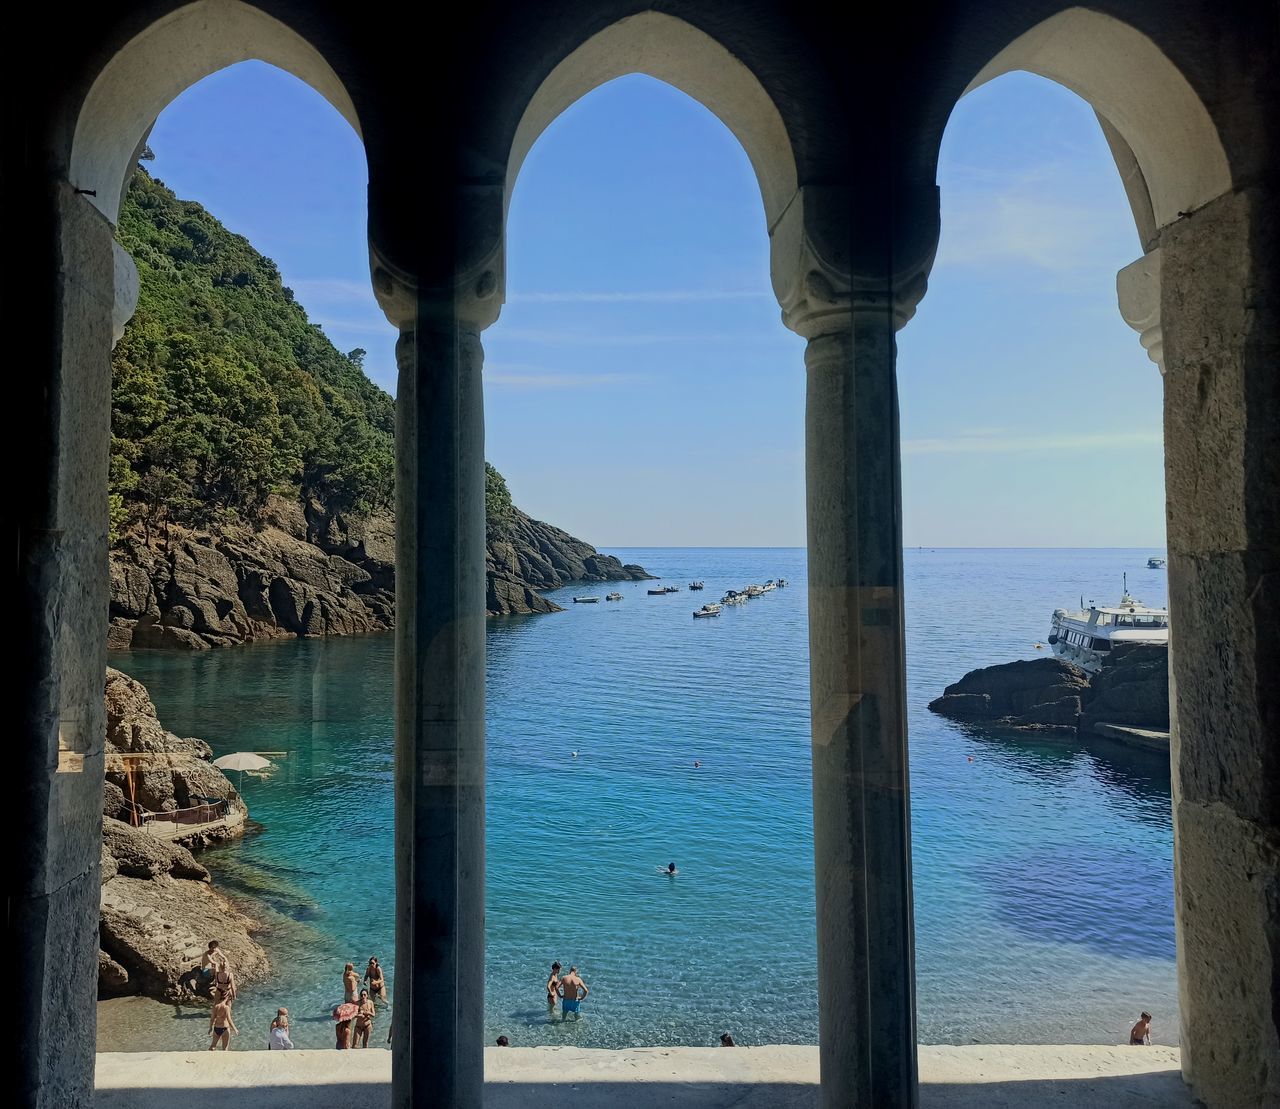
(862, 833)
(438, 1036)
(54, 808)
(1221, 346)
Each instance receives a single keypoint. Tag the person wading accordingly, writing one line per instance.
(572, 990)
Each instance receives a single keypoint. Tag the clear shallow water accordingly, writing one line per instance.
(1043, 868)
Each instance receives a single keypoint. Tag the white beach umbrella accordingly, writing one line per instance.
(241, 761)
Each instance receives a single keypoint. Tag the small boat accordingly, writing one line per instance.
(1154, 563)
(697, 585)
(657, 592)
(586, 600)
(781, 582)
(707, 610)
(613, 596)
(754, 591)
(672, 589)
(732, 598)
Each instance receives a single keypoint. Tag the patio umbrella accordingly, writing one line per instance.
(241, 761)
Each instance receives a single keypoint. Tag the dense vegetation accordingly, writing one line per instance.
(223, 392)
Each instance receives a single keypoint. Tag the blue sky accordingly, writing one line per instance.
(639, 387)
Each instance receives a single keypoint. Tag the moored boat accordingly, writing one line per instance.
(707, 610)
(1154, 563)
(697, 585)
(1086, 636)
(613, 596)
(586, 600)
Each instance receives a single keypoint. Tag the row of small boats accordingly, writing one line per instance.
(731, 597)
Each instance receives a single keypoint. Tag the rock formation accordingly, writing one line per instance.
(305, 572)
(1132, 688)
(158, 908)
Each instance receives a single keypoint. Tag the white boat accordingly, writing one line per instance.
(613, 596)
(754, 591)
(707, 610)
(586, 600)
(769, 586)
(733, 598)
(1154, 563)
(1086, 636)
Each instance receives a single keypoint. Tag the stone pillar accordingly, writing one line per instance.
(54, 809)
(1138, 293)
(1221, 346)
(862, 832)
(438, 1035)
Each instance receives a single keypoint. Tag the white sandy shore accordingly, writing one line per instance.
(990, 1076)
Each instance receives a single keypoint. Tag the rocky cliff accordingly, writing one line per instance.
(158, 906)
(305, 572)
(1132, 688)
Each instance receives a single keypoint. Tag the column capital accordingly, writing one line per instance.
(811, 249)
(471, 248)
(1138, 294)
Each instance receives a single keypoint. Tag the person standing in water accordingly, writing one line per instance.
(573, 991)
(279, 1040)
(221, 1026)
(364, 1021)
(377, 982)
(1140, 1033)
(553, 987)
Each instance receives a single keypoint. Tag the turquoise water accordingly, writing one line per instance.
(1043, 868)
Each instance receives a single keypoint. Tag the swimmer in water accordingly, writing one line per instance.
(671, 870)
(696, 764)
(575, 754)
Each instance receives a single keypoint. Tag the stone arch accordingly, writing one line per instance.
(1167, 146)
(676, 52)
(164, 60)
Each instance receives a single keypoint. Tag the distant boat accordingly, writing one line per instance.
(697, 585)
(613, 596)
(733, 598)
(782, 582)
(769, 586)
(672, 589)
(1154, 563)
(707, 610)
(657, 592)
(586, 600)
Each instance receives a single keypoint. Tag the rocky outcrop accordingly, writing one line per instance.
(307, 572)
(1132, 688)
(158, 906)
(538, 556)
(158, 913)
(174, 774)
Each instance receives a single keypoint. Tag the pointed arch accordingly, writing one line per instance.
(164, 60)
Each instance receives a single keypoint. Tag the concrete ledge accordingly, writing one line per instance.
(992, 1076)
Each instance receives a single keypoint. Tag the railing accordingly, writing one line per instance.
(204, 813)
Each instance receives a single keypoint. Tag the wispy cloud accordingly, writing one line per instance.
(1042, 219)
(651, 296)
(331, 290)
(541, 380)
(997, 442)
(639, 338)
(369, 325)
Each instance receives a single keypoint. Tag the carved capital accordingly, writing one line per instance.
(473, 288)
(810, 260)
(1138, 293)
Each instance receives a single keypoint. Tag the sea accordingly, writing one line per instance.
(623, 736)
